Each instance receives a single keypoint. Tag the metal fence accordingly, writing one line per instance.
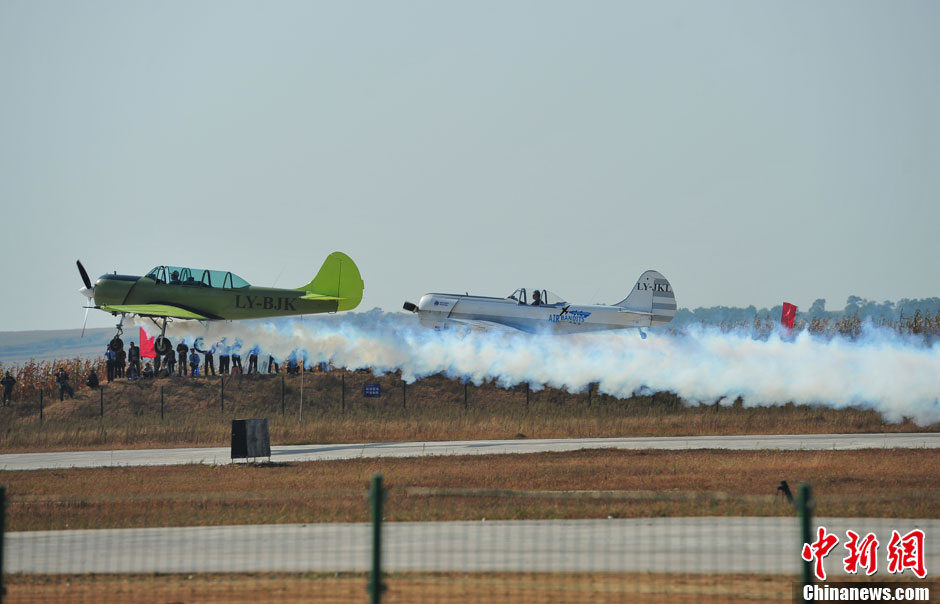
(654, 559)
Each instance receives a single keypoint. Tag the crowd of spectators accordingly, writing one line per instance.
(192, 359)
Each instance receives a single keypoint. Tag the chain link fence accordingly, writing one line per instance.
(654, 559)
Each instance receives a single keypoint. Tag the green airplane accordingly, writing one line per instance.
(176, 292)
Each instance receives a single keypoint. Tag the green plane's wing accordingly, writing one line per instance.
(319, 297)
(154, 310)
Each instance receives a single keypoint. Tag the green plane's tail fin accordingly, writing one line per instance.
(339, 280)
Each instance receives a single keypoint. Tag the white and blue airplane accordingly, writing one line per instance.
(651, 303)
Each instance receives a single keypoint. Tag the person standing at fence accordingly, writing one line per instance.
(272, 365)
(253, 359)
(92, 380)
(193, 362)
(120, 361)
(224, 355)
(237, 356)
(109, 358)
(292, 367)
(8, 382)
(170, 361)
(182, 353)
(62, 379)
(133, 361)
(208, 354)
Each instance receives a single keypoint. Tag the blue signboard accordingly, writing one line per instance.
(372, 390)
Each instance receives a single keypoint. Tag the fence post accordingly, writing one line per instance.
(404, 386)
(343, 395)
(40, 404)
(465, 395)
(222, 396)
(806, 505)
(527, 395)
(376, 494)
(101, 399)
(282, 395)
(161, 403)
(3, 524)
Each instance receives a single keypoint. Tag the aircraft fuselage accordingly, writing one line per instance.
(436, 310)
(249, 302)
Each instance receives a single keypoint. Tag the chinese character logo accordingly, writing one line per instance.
(907, 552)
(862, 553)
(819, 549)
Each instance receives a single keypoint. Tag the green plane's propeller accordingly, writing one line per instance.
(88, 291)
(84, 274)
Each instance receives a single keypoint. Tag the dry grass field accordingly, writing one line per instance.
(584, 484)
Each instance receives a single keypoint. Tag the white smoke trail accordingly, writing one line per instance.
(880, 370)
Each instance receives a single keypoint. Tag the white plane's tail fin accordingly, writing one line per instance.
(652, 294)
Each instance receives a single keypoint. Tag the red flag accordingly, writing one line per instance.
(146, 346)
(788, 315)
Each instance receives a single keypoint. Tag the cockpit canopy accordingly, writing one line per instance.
(546, 298)
(180, 275)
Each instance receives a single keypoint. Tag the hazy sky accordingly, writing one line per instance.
(753, 152)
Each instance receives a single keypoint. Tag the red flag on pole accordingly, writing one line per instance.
(146, 346)
(788, 315)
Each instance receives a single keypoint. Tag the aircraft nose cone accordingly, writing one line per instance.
(88, 292)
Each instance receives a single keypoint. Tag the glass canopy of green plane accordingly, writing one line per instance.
(180, 275)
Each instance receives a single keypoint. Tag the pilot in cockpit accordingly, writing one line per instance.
(175, 278)
(536, 298)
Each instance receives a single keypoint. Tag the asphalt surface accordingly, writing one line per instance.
(686, 545)
(295, 453)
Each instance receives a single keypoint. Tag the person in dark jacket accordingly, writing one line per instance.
(62, 379)
(92, 380)
(120, 361)
(170, 361)
(225, 353)
(133, 360)
(237, 356)
(209, 359)
(8, 382)
(182, 353)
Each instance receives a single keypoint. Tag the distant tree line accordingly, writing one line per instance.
(911, 316)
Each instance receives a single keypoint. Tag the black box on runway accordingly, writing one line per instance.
(250, 438)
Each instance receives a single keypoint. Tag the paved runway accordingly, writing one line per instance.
(221, 455)
(687, 545)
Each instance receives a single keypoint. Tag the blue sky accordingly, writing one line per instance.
(753, 152)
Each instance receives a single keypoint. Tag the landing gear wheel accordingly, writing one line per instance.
(161, 345)
(116, 344)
